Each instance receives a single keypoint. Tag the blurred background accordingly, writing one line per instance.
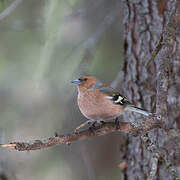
(44, 45)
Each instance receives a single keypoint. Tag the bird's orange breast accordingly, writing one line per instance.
(96, 106)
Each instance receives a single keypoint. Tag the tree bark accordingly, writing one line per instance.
(144, 25)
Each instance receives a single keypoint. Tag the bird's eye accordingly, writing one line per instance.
(83, 79)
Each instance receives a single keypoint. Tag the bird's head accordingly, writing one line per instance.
(85, 82)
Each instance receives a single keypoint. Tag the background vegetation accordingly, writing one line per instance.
(43, 46)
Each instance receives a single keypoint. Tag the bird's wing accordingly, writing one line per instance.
(114, 95)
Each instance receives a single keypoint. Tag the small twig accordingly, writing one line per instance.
(102, 129)
(10, 9)
(11, 145)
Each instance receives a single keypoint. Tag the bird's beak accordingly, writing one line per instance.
(76, 81)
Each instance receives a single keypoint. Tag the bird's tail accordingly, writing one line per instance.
(138, 110)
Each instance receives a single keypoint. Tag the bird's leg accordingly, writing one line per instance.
(117, 123)
(85, 124)
(93, 123)
(93, 127)
(102, 122)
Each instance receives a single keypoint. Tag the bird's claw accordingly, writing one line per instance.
(93, 127)
(117, 123)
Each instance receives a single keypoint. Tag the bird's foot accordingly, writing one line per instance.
(56, 134)
(93, 125)
(117, 123)
(102, 122)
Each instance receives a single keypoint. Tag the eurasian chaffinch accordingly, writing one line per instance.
(99, 102)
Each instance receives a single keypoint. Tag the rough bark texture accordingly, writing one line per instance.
(144, 23)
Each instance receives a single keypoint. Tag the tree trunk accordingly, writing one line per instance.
(144, 23)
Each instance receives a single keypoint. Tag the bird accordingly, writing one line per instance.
(100, 103)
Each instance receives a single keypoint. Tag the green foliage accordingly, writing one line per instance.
(53, 16)
(1, 5)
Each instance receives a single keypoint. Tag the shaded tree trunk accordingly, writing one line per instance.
(144, 22)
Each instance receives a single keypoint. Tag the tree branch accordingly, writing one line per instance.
(10, 9)
(103, 129)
